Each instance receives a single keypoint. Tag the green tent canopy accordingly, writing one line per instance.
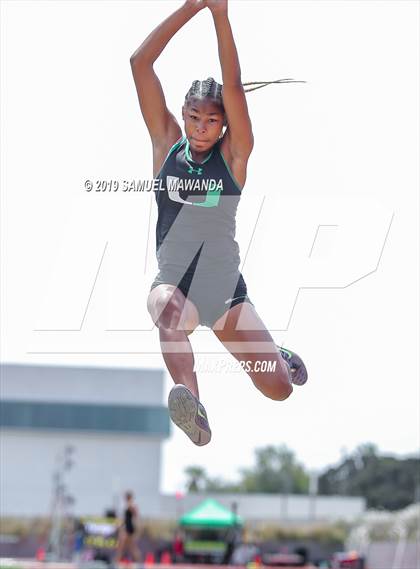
(210, 514)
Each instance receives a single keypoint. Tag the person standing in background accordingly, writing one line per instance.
(178, 547)
(127, 534)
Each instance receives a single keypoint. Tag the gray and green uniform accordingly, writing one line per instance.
(195, 232)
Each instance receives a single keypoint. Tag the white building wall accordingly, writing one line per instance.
(105, 386)
(105, 465)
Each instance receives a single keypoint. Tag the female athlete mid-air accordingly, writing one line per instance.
(201, 175)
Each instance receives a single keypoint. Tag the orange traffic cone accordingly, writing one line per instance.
(150, 558)
(165, 558)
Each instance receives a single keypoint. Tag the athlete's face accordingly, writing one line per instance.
(203, 122)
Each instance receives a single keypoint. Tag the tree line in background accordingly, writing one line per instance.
(385, 482)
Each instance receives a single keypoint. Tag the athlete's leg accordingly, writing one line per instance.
(176, 317)
(133, 547)
(121, 546)
(245, 336)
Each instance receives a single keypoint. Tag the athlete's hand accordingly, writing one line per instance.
(197, 5)
(217, 6)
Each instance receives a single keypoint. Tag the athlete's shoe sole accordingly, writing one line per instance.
(189, 415)
(298, 371)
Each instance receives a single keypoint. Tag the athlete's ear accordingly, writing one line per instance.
(183, 112)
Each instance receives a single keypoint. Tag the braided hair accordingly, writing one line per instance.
(210, 89)
(207, 88)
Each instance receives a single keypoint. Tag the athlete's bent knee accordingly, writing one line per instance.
(279, 392)
(275, 386)
(284, 392)
(169, 309)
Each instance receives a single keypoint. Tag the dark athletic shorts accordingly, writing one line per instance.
(212, 298)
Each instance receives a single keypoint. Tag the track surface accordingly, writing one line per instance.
(33, 564)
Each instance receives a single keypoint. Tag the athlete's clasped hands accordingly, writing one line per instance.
(215, 6)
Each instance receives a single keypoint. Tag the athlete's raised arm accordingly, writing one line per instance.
(239, 131)
(161, 123)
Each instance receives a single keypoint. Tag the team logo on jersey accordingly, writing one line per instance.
(208, 187)
(198, 171)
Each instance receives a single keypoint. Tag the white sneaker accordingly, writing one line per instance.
(188, 414)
